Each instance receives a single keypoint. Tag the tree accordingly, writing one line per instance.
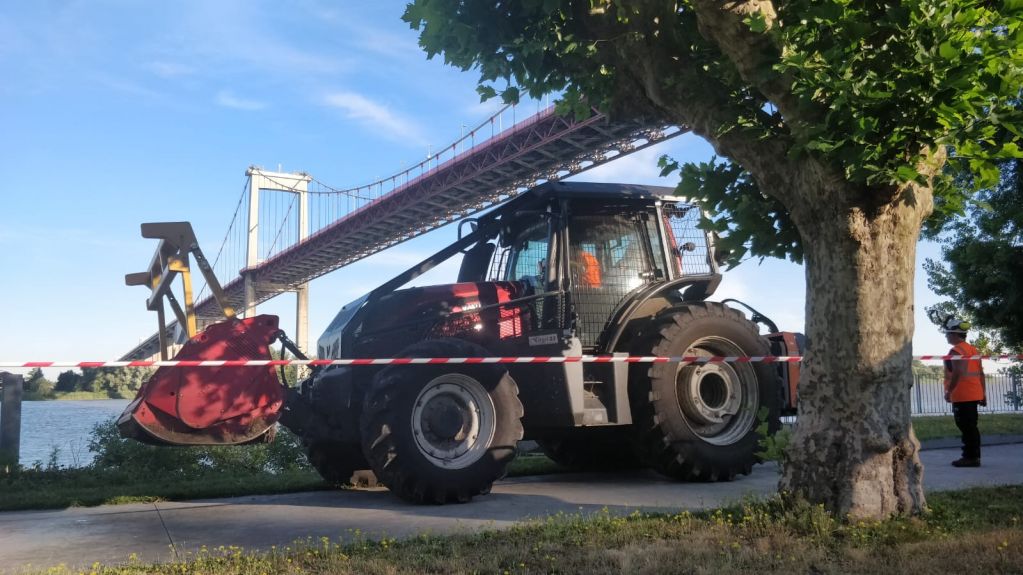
(36, 384)
(920, 369)
(120, 383)
(835, 118)
(68, 381)
(984, 255)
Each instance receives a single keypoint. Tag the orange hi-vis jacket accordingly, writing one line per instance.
(589, 275)
(969, 387)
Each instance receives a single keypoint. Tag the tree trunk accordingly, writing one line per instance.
(853, 448)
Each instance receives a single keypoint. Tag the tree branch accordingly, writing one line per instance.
(753, 54)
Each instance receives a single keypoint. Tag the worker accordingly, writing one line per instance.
(964, 389)
(586, 269)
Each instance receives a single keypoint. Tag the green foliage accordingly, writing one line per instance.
(772, 446)
(115, 453)
(928, 371)
(884, 82)
(36, 385)
(68, 381)
(983, 251)
(115, 382)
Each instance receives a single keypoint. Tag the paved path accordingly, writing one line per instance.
(163, 531)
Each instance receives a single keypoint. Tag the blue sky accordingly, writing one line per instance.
(116, 113)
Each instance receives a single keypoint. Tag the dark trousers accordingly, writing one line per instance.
(965, 413)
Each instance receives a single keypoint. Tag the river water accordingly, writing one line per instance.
(65, 426)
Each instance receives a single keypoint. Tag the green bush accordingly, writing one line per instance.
(115, 453)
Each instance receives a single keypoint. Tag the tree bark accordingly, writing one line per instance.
(853, 448)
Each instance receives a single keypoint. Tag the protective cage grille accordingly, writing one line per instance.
(691, 256)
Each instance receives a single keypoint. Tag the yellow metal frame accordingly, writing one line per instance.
(177, 245)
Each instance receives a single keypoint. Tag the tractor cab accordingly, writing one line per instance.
(586, 250)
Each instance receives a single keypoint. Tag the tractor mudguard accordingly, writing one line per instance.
(211, 405)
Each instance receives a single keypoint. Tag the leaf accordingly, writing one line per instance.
(1011, 150)
(987, 174)
(907, 174)
(756, 22)
(510, 95)
(946, 51)
(486, 92)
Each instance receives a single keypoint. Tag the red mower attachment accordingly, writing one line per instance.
(211, 405)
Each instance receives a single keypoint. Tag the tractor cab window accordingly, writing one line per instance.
(610, 255)
(526, 258)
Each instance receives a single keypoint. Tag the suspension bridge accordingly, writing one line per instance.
(289, 229)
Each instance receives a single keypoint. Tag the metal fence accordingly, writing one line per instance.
(1004, 395)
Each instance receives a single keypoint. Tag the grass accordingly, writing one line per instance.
(534, 464)
(87, 395)
(972, 531)
(934, 427)
(61, 395)
(49, 489)
(59, 488)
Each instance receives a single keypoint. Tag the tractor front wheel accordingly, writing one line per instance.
(441, 433)
(698, 421)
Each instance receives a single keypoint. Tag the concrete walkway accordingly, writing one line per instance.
(77, 537)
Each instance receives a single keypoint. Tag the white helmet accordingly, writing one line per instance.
(955, 325)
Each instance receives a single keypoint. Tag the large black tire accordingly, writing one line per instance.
(699, 422)
(335, 461)
(441, 433)
(593, 449)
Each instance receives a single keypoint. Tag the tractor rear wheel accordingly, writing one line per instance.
(698, 422)
(441, 433)
(336, 461)
(599, 449)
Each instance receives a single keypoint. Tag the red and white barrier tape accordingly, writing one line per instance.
(466, 360)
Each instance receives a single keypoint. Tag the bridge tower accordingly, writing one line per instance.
(294, 183)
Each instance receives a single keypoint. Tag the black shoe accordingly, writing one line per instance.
(966, 462)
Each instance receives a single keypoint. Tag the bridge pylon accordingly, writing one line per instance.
(294, 183)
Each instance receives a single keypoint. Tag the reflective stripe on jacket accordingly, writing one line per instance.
(969, 387)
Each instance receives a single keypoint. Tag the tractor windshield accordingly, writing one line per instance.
(527, 256)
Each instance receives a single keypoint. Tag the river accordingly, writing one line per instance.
(64, 425)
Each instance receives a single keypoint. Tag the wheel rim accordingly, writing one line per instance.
(718, 400)
(453, 421)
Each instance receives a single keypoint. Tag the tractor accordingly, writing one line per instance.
(563, 270)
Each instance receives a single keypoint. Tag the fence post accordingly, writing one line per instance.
(1014, 378)
(919, 399)
(10, 416)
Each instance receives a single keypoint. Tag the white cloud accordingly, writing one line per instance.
(377, 117)
(229, 100)
(170, 69)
